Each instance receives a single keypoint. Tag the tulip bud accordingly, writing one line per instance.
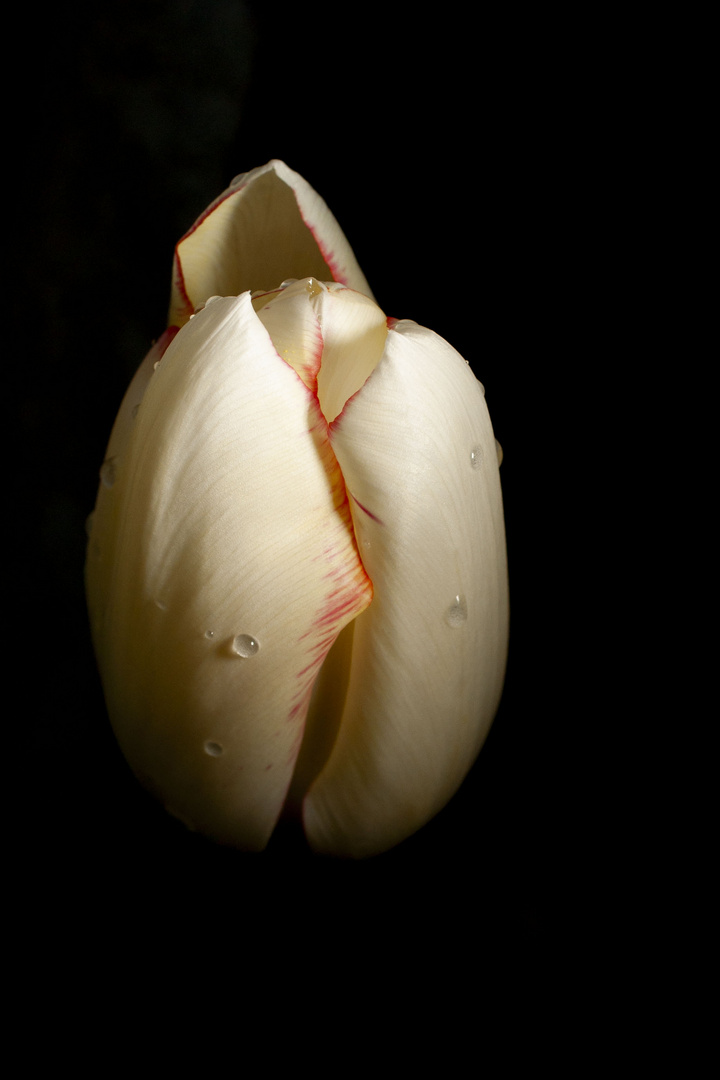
(296, 573)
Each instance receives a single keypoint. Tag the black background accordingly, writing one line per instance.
(456, 158)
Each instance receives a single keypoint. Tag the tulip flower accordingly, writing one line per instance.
(296, 570)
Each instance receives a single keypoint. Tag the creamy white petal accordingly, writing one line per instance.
(229, 534)
(290, 319)
(354, 331)
(331, 335)
(268, 226)
(104, 516)
(417, 451)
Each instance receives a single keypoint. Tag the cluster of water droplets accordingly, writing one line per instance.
(457, 612)
(242, 645)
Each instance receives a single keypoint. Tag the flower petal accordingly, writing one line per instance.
(268, 226)
(354, 332)
(232, 568)
(417, 451)
(333, 336)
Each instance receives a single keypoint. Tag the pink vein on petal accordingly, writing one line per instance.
(177, 261)
(328, 255)
(365, 510)
(349, 588)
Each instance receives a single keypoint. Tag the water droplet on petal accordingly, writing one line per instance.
(456, 614)
(108, 471)
(161, 605)
(476, 457)
(135, 411)
(313, 287)
(245, 645)
(288, 281)
(214, 749)
(209, 634)
(499, 449)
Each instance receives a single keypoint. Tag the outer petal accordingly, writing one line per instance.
(417, 451)
(222, 565)
(269, 225)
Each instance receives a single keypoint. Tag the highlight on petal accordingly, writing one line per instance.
(417, 451)
(268, 226)
(222, 566)
(103, 520)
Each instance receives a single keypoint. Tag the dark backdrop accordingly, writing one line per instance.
(453, 155)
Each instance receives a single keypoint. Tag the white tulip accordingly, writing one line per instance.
(296, 572)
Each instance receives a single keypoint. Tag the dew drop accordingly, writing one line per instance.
(135, 411)
(209, 634)
(288, 281)
(108, 471)
(161, 605)
(499, 450)
(244, 645)
(156, 365)
(456, 614)
(214, 749)
(476, 457)
(313, 287)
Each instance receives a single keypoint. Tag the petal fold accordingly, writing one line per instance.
(331, 335)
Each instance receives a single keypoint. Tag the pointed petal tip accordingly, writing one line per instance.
(268, 225)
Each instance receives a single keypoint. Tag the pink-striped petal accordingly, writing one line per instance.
(267, 227)
(220, 572)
